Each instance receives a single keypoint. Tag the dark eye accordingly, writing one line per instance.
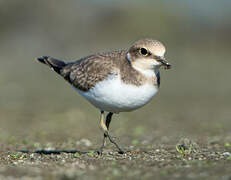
(143, 51)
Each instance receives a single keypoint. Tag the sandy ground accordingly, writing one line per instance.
(208, 159)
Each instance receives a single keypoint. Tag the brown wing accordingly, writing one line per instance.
(85, 73)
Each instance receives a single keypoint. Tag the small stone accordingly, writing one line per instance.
(226, 154)
(85, 142)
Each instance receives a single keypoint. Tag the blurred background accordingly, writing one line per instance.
(37, 105)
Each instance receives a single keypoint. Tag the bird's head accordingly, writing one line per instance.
(147, 55)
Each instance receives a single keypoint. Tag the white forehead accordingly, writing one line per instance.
(154, 46)
(157, 48)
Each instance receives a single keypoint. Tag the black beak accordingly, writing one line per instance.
(165, 63)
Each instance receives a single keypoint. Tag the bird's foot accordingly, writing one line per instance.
(111, 139)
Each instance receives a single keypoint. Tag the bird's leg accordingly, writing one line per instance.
(105, 128)
(108, 121)
(112, 141)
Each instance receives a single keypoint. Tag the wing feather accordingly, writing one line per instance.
(85, 73)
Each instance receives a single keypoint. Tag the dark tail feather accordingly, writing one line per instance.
(53, 63)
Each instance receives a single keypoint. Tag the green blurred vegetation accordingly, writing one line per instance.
(194, 98)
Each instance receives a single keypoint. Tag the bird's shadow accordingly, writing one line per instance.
(48, 152)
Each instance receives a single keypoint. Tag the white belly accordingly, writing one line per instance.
(113, 95)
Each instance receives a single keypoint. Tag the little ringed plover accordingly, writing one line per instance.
(117, 81)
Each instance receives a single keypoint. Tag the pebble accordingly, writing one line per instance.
(85, 142)
(227, 154)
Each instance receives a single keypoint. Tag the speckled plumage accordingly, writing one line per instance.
(84, 73)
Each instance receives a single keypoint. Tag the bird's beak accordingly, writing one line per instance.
(165, 63)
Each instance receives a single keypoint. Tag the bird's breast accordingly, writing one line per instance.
(114, 95)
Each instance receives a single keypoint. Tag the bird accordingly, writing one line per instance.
(115, 81)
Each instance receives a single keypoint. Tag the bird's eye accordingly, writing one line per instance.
(143, 51)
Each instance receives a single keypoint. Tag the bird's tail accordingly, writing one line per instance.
(53, 63)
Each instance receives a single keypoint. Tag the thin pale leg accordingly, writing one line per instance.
(105, 128)
(108, 121)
